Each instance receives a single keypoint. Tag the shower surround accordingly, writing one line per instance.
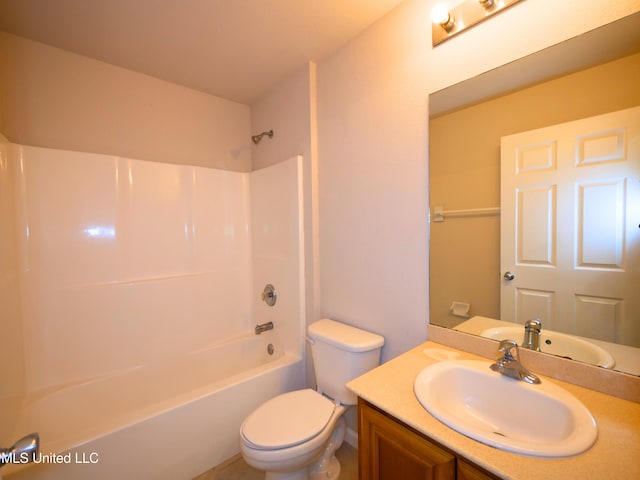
(126, 265)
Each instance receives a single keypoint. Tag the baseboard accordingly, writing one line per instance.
(351, 437)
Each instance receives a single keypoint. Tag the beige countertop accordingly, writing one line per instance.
(615, 455)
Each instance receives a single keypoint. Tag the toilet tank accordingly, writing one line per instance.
(341, 353)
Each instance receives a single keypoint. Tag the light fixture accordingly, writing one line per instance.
(447, 23)
(440, 15)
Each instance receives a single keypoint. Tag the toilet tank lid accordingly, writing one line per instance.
(344, 336)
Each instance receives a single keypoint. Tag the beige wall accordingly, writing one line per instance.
(464, 172)
(53, 98)
(287, 111)
(373, 150)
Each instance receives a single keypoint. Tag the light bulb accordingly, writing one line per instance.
(486, 4)
(440, 14)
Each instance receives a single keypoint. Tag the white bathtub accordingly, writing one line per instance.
(171, 420)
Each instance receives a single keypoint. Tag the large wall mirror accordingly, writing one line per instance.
(592, 75)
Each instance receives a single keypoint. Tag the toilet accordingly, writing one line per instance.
(294, 436)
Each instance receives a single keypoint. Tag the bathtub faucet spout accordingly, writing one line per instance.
(263, 327)
(25, 450)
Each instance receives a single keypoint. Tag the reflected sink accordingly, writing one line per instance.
(541, 420)
(557, 343)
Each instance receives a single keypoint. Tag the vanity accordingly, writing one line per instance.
(391, 449)
(399, 438)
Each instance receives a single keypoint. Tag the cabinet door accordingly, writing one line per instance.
(466, 471)
(390, 451)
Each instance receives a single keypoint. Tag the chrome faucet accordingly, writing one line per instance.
(25, 450)
(263, 327)
(508, 363)
(532, 329)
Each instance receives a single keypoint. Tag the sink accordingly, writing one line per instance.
(557, 344)
(541, 420)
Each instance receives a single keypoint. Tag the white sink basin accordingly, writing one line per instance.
(557, 343)
(541, 420)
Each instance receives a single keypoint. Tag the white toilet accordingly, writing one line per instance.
(294, 436)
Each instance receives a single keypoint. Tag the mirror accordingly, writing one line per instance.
(594, 73)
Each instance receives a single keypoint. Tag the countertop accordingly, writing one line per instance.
(615, 455)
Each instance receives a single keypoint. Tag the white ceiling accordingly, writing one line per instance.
(235, 49)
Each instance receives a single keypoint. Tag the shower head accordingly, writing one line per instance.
(256, 138)
(24, 450)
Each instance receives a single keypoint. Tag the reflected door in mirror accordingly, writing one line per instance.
(570, 202)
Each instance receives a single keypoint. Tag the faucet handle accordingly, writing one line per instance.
(506, 348)
(509, 363)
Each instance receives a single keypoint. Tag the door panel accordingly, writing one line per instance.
(601, 224)
(536, 224)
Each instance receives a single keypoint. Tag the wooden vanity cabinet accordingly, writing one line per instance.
(390, 450)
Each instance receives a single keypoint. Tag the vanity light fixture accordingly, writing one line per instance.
(448, 22)
(440, 15)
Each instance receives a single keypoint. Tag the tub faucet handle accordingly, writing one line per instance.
(269, 295)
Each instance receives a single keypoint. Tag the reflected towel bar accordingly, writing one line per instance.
(439, 213)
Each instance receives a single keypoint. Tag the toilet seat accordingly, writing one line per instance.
(287, 420)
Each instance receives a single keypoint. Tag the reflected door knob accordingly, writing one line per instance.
(508, 276)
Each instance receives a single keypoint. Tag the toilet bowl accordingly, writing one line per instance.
(294, 436)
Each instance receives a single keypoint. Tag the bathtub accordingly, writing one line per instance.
(170, 420)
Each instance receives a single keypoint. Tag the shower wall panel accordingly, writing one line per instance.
(124, 261)
(278, 249)
(11, 353)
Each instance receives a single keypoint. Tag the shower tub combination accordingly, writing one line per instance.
(173, 420)
(136, 355)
